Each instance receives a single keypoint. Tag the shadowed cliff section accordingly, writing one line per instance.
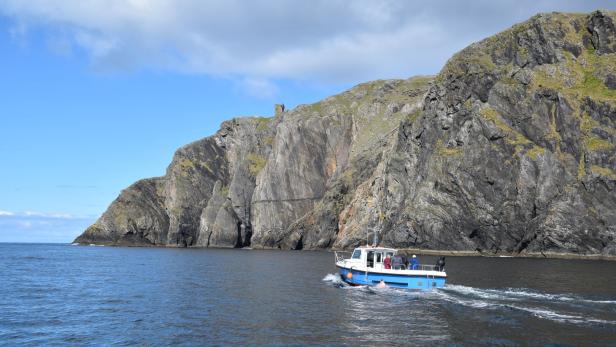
(511, 148)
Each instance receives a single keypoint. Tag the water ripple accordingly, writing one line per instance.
(58, 295)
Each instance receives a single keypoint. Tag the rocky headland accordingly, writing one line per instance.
(511, 148)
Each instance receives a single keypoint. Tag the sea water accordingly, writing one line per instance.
(80, 295)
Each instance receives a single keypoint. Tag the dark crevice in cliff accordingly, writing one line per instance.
(238, 242)
(300, 244)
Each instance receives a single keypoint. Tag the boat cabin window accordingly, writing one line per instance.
(356, 254)
(373, 258)
(370, 259)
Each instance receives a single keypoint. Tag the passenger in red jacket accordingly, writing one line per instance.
(387, 262)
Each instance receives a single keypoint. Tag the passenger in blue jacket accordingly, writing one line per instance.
(414, 263)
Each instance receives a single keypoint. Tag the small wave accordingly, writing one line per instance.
(546, 296)
(481, 293)
(559, 317)
(332, 278)
(516, 294)
(502, 299)
(537, 312)
(444, 295)
(335, 280)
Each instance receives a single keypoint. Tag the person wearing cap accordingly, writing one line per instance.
(414, 263)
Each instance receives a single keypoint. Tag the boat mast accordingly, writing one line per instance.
(376, 238)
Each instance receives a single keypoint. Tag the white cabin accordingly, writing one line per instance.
(370, 257)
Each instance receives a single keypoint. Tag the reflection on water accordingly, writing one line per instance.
(391, 316)
(57, 294)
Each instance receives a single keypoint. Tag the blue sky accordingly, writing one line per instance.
(98, 94)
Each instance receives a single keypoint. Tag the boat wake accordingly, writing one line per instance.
(517, 294)
(335, 280)
(561, 308)
(555, 307)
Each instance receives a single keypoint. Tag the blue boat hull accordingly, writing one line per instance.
(421, 282)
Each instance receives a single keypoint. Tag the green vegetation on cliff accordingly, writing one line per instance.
(511, 148)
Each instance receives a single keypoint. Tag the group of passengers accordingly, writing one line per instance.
(400, 262)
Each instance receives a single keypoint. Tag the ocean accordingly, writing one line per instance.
(57, 294)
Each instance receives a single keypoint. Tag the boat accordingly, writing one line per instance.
(366, 267)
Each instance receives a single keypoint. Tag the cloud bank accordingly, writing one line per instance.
(32, 226)
(255, 42)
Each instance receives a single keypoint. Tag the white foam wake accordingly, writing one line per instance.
(559, 297)
(480, 293)
(516, 294)
(512, 299)
(333, 278)
(560, 317)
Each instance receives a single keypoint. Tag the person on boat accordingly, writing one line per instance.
(414, 263)
(387, 262)
(397, 263)
(440, 264)
(405, 262)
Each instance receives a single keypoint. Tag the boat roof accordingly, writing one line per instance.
(382, 249)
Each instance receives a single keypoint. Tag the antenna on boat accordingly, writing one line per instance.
(376, 238)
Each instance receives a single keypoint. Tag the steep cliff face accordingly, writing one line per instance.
(203, 199)
(510, 148)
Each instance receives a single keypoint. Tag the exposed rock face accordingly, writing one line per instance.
(510, 148)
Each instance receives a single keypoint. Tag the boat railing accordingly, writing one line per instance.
(421, 267)
(340, 256)
(427, 267)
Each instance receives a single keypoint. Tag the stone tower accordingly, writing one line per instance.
(278, 108)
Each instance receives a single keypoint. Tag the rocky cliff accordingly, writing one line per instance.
(510, 148)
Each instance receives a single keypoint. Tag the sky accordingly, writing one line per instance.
(96, 94)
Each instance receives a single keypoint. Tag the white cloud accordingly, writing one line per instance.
(32, 226)
(255, 42)
(46, 215)
(259, 87)
(36, 214)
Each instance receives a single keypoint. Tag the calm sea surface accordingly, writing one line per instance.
(79, 295)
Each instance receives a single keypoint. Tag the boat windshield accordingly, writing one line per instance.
(356, 254)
